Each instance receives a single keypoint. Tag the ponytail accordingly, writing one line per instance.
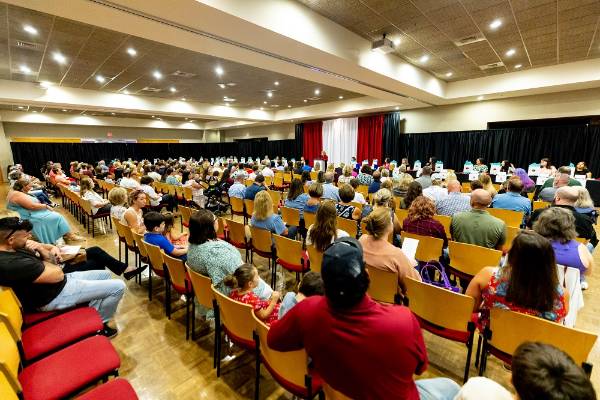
(241, 277)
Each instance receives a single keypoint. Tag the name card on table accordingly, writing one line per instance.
(500, 177)
(439, 166)
(417, 165)
(582, 179)
(494, 168)
(473, 176)
(468, 167)
(534, 169)
(541, 180)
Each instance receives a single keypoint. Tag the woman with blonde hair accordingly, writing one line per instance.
(379, 253)
(401, 185)
(324, 231)
(488, 186)
(420, 220)
(118, 198)
(585, 204)
(383, 199)
(86, 191)
(346, 175)
(263, 216)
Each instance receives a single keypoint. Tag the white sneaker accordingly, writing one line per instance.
(584, 285)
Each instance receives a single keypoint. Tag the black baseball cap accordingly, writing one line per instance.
(13, 224)
(344, 275)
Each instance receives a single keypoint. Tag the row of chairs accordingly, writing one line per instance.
(57, 355)
(81, 209)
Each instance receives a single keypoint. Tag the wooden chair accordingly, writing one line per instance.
(401, 214)
(315, 258)
(235, 320)
(119, 227)
(157, 267)
(313, 175)
(221, 231)
(290, 256)
(291, 216)
(201, 285)
(237, 208)
(279, 182)
(180, 282)
(262, 245)
(384, 286)
(88, 215)
(348, 225)
(309, 219)
(510, 217)
(268, 181)
(364, 190)
(446, 221)
(508, 329)
(186, 213)
(249, 206)
(466, 187)
(530, 196)
(289, 369)
(511, 234)
(466, 260)
(275, 196)
(188, 195)
(540, 204)
(443, 313)
(237, 236)
(429, 248)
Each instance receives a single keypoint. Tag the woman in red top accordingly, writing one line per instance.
(242, 282)
(420, 220)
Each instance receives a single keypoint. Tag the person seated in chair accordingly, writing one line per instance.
(155, 226)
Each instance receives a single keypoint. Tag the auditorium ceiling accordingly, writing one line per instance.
(455, 39)
(37, 47)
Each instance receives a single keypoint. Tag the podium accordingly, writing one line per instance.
(322, 163)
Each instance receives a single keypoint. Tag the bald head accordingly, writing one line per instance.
(561, 180)
(566, 196)
(480, 199)
(328, 177)
(454, 187)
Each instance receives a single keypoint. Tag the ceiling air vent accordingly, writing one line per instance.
(151, 89)
(28, 45)
(478, 37)
(183, 74)
(491, 65)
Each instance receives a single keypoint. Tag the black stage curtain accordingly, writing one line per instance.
(299, 140)
(34, 156)
(521, 146)
(392, 139)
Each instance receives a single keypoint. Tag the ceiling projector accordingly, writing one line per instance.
(383, 45)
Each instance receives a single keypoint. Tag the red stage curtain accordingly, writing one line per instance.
(370, 136)
(313, 141)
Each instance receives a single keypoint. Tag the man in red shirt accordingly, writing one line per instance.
(361, 348)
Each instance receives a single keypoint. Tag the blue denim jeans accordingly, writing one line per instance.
(95, 287)
(437, 389)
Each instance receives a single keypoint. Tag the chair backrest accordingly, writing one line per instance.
(470, 259)
(236, 316)
(220, 227)
(138, 238)
(85, 205)
(511, 234)
(445, 220)
(249, 204)
(237, 204)
(261, 239)
(128, 233)
(237, 232)
(9, 358)
(268, 181)
(582, 240)
(10, 312)
(278, 181)
(288, 250)
(540, 204)
(177, 274)
(201, 285)
(364, 189)
(309, 219)
(186, 213)
(188, 193)
(291, 216)
(155, 255)
(466, 187)
(429, 248)
(510, 329)
(275, 195)
(439, 306)
(384, 285)
(313, 175)
(348, 225)
(7, 392)
(289, 366)
(530, 195)
(401, 214)
(510, 217)
(119, 227)
(315, 257)
(287, 178)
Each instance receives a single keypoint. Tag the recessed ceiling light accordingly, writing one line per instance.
(495, 24)
(276, 83)
(160, 119)
(20, 107)
(518, 66)
(30, 29)
(64, 110)
(186, 118)
(306, 101)
(424, 58)
(479, 97)
(46, 84)
(269, 94)
(131, 51)
(449, 74)
(192, 121)
(511, 52)
(289, 106)
(59, 58)
(227, 104)
(153, 116)
(100, 78)
(261, 109)
(172, 89)
(340, 97)
(183, 99)
(34, 111)
(221, 85)
(397, 41)
(125, 91)
(317, 92)
(157, 74)
(396, 108)
(219, 70)
(25, 69)
(264, 102)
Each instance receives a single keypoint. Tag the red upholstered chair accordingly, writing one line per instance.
(290, 256)
(237, 236)
(181, 283)
(115, 389)
(51, 334)
(61, 374)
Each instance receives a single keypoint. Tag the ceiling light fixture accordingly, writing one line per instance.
(183, 99)
(424, 58)
(261, 109)
(30, 29)
(20, 107)
(269, 94)
(59, 58)
(289, 106)
(317, 92)
(34, 111)
(25, 69)
(340, 97)
(264, 102)
(112, 113)
(219, 70)
(64, 110)
(396, 108)
(306, 101)
(518, 66)
(172, 89)
(157, 74)
(479, 97)
(495, 24)
(131, 51)
(227, 104)
(46, 84)
(449, 74)
(125, 91)
(100, 78)
(397, 41)
(383, 45)
(276, 83)
(221, 85)
(511, 52)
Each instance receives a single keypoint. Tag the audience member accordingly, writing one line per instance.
(156, 199)
(315, 191)
(584, 204)
(155, 226)
(401, 185)
(512, 199)
(436, 192)
(296, 198)
(358, 196)
(330, 191)
(365, 176)
(548, 193)
(263, 216)
(414, 190)
(172, 177)
(562, 170)
(455, 202)
(324, 231)
(476, 184)
(257, 186)
(384, 199)
(118, 199)
(425, 179)
(310, 285)
(477, 226)
(488, 186)
(344, 330)
(546, 167)
(480, 166)
(376, 184)
(173, 235)
(582, 169)
(344, 209)
(133, 216)
(420, 220)
(528, 184)
(238, 189)
(128, 182)
(97, 203)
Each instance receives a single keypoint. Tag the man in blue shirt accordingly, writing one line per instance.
(306, 167)
(512, 199)
(238, 189)
(257, 186)
(376, 184)
(155, 226)
(329, 190)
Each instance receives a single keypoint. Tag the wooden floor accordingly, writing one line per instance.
(160, 364)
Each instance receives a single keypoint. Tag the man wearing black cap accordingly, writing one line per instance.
(361, 348)
(42, 285)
